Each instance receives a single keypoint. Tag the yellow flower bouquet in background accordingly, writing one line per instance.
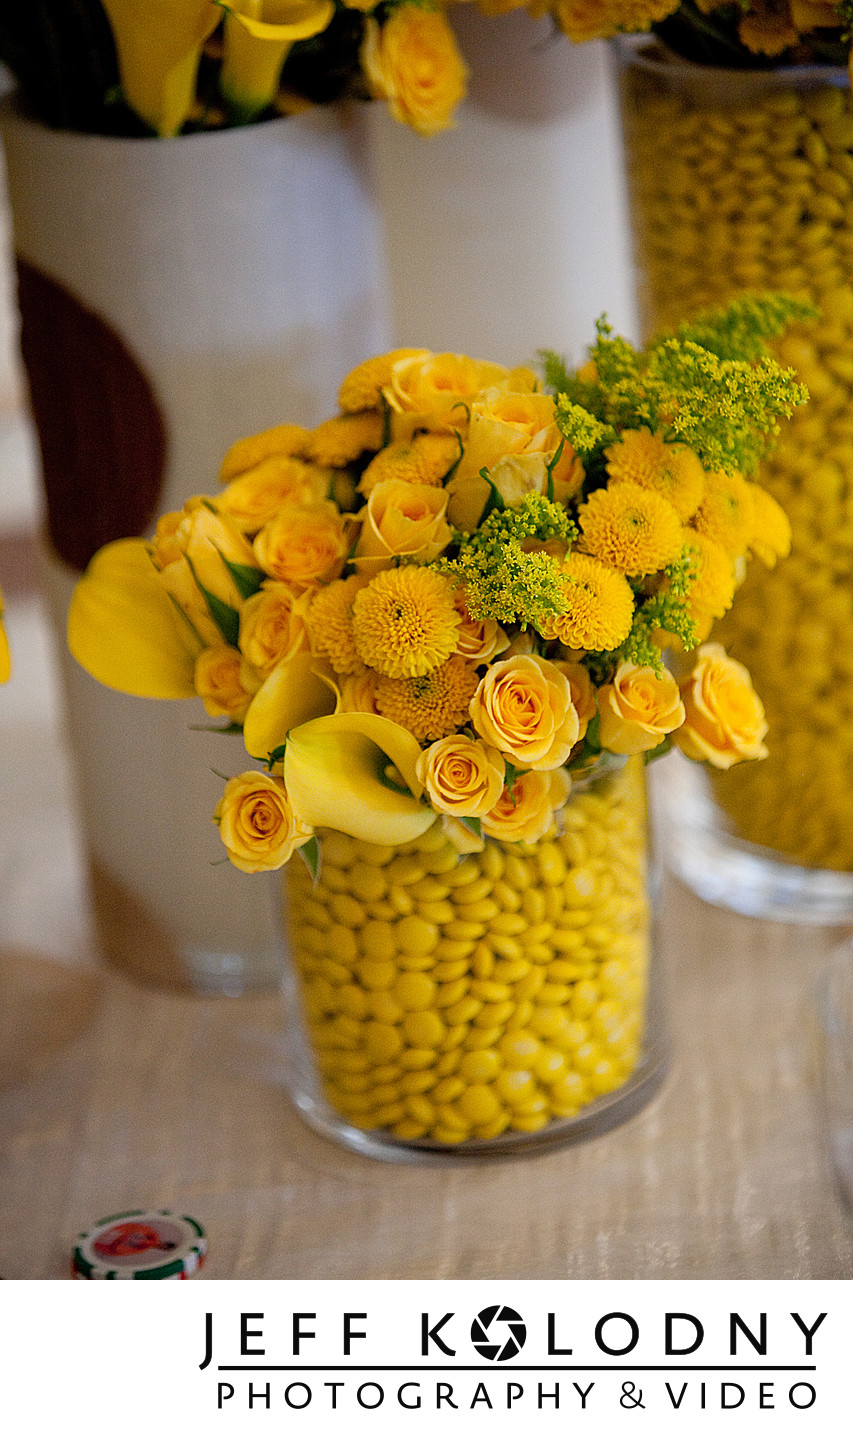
(439, 620)
(111, 66)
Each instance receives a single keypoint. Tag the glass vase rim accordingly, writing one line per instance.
(653, 54)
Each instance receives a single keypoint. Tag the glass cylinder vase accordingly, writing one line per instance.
(482, 1004)
(742, 181)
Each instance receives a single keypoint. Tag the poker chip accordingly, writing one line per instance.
(140, 1246)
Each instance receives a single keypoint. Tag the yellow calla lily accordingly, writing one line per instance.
(5, 659)
(159, 45)
(258, 37)
(124, 629)
(295, 692)
(335, 772)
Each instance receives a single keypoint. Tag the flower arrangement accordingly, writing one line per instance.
(163, 66)
(453, 598)
(748, 33)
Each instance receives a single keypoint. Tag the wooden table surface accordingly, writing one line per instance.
(115, 1096)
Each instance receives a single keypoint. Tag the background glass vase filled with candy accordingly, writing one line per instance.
(758, 192)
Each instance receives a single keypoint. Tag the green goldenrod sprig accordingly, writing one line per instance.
(741, 330)
(502, 580)
(712, 385)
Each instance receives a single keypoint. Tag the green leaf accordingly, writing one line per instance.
(212, 727)
(226, 618)
(247, 580)
(310, 854)
(591, 737)
(659, 751)
(277, 755)
(495, 501)
(473, 824)
(549, 469)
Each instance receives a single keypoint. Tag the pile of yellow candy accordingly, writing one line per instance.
(452, 999)
(758, 194)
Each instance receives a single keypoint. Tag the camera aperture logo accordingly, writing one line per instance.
(332, 1360)
(498, 1332)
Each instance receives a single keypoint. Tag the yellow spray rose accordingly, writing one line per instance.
(257, 823)
(582, 690)
(273, 626)
(258, 38)
(523, 707)
(159, 45)
(479, 639)
(525, 811)
(402, 520)
(219, 683)
(255, 496)
(461, 777)
(304, 545)
(433, 391)
(725, 720)
(412, 61)
(197, 549)
(638, 709)
(513, 434)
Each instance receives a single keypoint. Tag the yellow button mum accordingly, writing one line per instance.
(727, 512)
(671, 469)
(632, 528)
(405, 622)
(432, 706)
(599, 605)
(330, 624)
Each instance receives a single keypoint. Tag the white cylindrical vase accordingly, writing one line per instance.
(176, 295)
(509, 233)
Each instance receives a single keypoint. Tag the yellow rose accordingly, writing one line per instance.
(402, 520)
(513, 434)
(724, 721)
(514, 476)
(304, 545)
(461, 777)
(567, 474)
(200, 546)
(219, 683)
(412, 61)
(638, 709)
(255, 497)
(272, 626)
(525, 811)
(433, 391)
(504, 422)
(582, 690)
(257, 823)
(523, 707)
(479, 639)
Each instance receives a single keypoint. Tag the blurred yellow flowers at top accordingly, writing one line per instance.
(258, 37)
(5, 660)
(159, 45)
